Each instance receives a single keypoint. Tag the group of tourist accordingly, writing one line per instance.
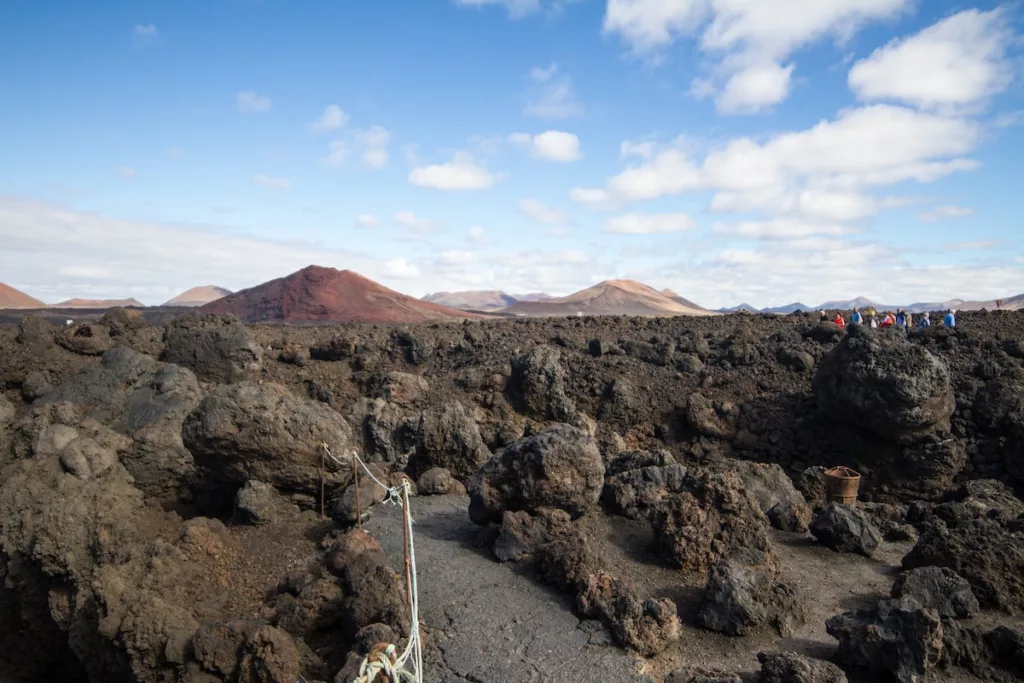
(900, 318)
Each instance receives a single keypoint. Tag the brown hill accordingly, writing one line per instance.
(533, 296)
(1013, 303)
(12, 298)
(611, 297)
(316, 293)
(198, 296)
(99, 303)
(678, 299)
(477, 300)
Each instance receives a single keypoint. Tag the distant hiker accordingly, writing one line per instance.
(856, 318)
(908, 320)
(839, 320)
(901, 318)
(925, 321)
(873, 323)
(822, 316)
(950, 319)
(887, 321)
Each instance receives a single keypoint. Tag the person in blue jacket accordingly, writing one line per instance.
(925, 321)
(950, 320)
(856, 318)
(901, 318)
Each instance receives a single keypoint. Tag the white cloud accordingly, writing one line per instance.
(749, 37)
(126, 172)
(976, 245)
(415, 224)
(367, 221)
(250, 102)
(333, 118)
(271, 183)
(559, 232)
(957, 62)
(516, 8)
(755, 88)
(461, 173)
(551, 145)
(540, 213)
(552, 96)
(649, 223)
(591, 196)
(945, 212)
(875, 145)
(477, 235)
(644, 150)
(400, 268)
(374, 143)
(778, 228)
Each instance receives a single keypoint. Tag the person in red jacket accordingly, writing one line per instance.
(839, 320)
(887, 321)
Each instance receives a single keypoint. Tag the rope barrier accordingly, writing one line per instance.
(385, 662)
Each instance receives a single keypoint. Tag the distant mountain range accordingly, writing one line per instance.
(98, 303)
(1014, 303)
(475, 300)
(611, 297)
(198, 296)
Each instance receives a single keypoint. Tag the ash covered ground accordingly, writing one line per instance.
(613, 499)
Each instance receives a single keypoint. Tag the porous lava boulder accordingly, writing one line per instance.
(123, 322)
(979, 499)
(35, 386)
(743, 594)
(85, 458)
(144, 400)
(983, 551)
(374, 592)
(85, 339)
(6, 414)
(218, 348)
(247, 650)
(559, 468)
(522, 533)
(256, 431)
(401, 388)
(846, 529)
(258, 503)
(924, 470)
(537, 385)
(647, 626)
(294, 354)
(568, 559)
(344, 509)
(826, 332)
(711, 519)
(797, 360)
(389, 434)
(898, 637)
(886, 384)
(989, 654)
(769, 488)
(437, 481)
(448, 437)
(637, 481)
(789, 667)
(940, 589)
(711, 418)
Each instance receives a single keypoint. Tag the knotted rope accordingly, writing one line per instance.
(384, 661)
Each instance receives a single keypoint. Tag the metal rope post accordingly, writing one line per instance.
(355, 482)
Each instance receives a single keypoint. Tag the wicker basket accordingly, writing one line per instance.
(841, 485)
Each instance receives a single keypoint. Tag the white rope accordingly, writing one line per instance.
(384, 663)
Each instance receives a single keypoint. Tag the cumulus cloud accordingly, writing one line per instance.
(250, 102)
(415, 226)
(778, 228)
(750, 38)
(649, 223)
(367, 221)
(540, 213)
(461, 173)
(861, 148)
(957, 62)
(551, 145)
(552, 95)
(374, 144)
(126, 172)
(332, 118)
(946, 212)
(271, 183)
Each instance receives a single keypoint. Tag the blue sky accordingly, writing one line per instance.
(733, 150)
